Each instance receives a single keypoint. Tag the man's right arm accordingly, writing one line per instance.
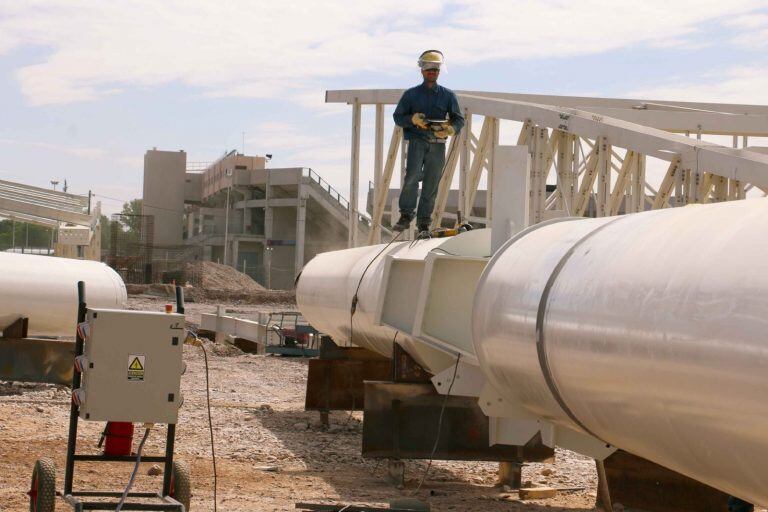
(403, 112)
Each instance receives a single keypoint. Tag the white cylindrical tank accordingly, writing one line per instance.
(648, 331)
(44, 289)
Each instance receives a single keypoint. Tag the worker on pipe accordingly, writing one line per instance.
(428, 113)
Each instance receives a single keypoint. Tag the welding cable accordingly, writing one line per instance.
(135, 468)
(210, 425)
(353, 308)
(439, 427)
(197, 340)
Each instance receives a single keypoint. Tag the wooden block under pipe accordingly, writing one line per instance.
(537, 493)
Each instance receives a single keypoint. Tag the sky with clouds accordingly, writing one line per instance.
(87, 86)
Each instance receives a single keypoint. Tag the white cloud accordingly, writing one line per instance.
(80, 152)
(745, 84)
(268, 49)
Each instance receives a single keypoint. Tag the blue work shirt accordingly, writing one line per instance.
(436, 102)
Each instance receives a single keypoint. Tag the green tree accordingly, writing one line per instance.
(132, 212)
(20, 234)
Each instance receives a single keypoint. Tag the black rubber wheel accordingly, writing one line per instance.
(181, 487)
(42, 494)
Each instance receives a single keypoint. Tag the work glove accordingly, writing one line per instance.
(419, 121)
(446, 130)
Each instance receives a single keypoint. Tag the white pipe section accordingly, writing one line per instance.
(328, 283)
(44, 289)
(647, 331)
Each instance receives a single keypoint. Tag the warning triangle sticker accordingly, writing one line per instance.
(136, 364)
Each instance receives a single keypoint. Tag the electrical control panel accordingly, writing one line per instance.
(131, 366)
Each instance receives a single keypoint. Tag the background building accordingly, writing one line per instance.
(265, 222)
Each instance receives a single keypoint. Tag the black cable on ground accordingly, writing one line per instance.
(210, 425)
(135, 470)
(439, 427)
(353, 307)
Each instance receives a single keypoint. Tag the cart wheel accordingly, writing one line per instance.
(42, 495)
(181, 489)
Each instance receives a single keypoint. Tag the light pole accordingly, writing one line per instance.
(54, 183)
(228, 173)
(269, 268)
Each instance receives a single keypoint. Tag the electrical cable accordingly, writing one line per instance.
(135, 469)
(210, 425)
(353, 308)
(439, 427)
(199, 342)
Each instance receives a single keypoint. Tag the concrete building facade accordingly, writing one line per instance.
(164, 194)
(265, 222)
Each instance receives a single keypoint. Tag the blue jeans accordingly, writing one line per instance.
(425, 164)
(737, 505)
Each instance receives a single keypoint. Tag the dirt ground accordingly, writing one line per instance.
(270, 452)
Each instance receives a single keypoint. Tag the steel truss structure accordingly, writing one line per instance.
(594, 149)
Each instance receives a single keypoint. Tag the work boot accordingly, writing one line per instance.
(402, 224)
(423, 227)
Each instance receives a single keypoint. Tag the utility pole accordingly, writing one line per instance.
(228, 173)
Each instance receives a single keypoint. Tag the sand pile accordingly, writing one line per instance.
(213, 276)
(218, 283)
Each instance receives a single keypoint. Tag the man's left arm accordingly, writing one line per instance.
(454, 114)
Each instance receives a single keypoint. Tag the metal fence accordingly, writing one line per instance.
(131, 247)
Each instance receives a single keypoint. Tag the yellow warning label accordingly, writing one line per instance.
(136, 367)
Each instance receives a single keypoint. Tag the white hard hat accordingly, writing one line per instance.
(431, 59)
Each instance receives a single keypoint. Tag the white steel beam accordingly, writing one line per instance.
(649, 141)
(464, 162)
(378, 165)
(678, 116)
(354, 178)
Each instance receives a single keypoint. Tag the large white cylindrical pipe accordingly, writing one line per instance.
(648, 331)
(44, 289)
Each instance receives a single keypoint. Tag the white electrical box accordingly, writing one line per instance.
(132, 366)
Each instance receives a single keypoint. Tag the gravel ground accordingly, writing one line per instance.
(270, 452)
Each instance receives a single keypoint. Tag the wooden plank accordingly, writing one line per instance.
(564, 166)
(622, 181)
(667, 184)
(473, 179)
(603, 177)
(386, 179)
(444, 188)
(587, 182)
(536, 493)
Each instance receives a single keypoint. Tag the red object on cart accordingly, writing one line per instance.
(119, 438)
